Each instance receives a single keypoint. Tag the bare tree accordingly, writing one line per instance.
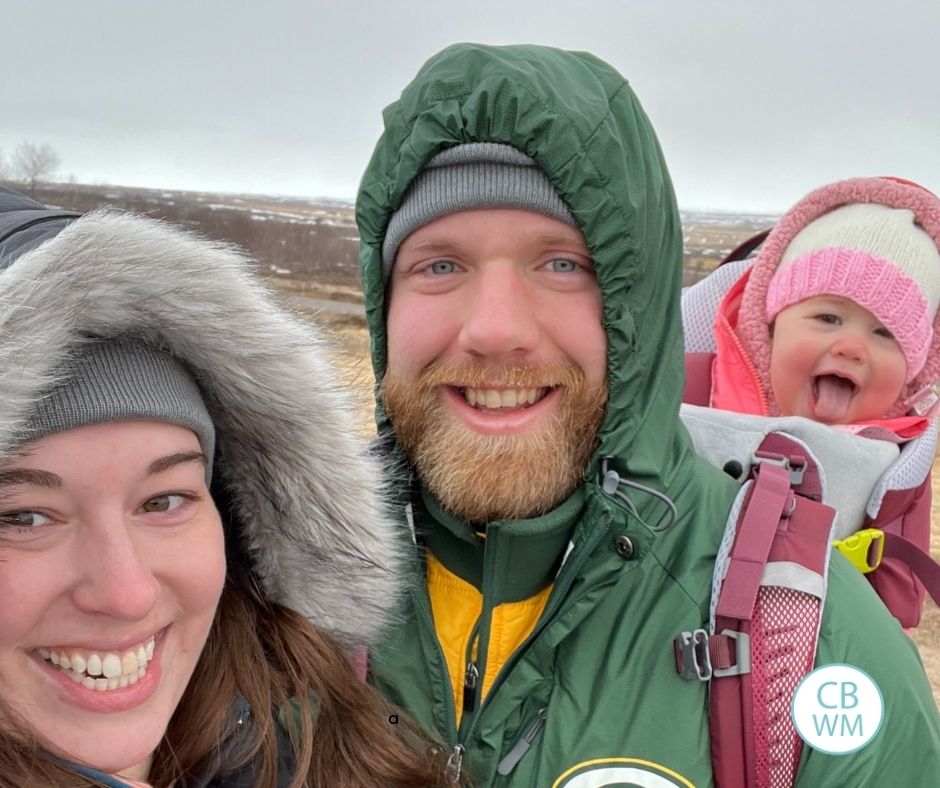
(4, 170)
(33, 164)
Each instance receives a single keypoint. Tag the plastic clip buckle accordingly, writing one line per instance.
(795, 465)
(858, 549)
(692, 658)
(742, 655)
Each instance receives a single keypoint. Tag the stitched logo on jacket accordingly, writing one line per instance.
(620, 772)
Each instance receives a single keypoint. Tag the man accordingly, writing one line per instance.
(522, 256)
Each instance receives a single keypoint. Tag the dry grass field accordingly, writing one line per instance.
(351, 347)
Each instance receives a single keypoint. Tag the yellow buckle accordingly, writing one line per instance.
(858, 548)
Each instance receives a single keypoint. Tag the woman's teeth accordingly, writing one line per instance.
(503, 398)
(102, 672)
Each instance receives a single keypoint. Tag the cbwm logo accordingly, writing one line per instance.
(620, 772)
(837, 709)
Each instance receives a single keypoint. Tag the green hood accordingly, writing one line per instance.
(580, 121)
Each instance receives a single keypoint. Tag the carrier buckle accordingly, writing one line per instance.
(795, 464)
(864, 549)
(742, 655)
(702, 656)
(692, 658)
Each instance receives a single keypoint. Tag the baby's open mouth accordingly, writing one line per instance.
(101, 671)
(503, 398)
(832, 396)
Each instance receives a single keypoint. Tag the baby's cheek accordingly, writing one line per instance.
(789, 369)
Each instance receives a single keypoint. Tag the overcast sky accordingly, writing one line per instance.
(755, 101)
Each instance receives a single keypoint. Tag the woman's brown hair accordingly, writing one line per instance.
(284, 669)
(280, 664)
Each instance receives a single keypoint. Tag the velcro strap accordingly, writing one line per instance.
(771, 498)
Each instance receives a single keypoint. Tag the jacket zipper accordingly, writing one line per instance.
(455, 761)
(557, 596)
(471, 677)
(454, 764)
(422, 603)
(761, 394)
(470, 687)
(450, 712)
(521, 747)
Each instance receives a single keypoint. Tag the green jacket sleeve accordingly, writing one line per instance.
(857, 630)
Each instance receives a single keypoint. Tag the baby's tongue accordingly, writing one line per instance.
(833, 396)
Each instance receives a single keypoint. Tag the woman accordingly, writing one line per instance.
(179, 497)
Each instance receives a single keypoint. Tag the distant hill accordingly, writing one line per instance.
(316, 239)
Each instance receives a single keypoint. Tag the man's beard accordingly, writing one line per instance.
(482, 477)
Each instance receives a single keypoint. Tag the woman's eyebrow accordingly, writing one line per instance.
(165, 463)
(32, 476)
(39, 478)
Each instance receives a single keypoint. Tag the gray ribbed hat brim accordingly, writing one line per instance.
(117, 380)
(465, 177)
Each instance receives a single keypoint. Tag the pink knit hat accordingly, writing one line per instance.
(873, 240)
(875, 255)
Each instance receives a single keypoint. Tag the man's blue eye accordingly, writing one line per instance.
(562, 266)
(442, 267)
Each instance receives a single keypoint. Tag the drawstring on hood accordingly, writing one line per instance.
(611, 483)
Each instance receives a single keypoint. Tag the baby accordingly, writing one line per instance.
(835, 321)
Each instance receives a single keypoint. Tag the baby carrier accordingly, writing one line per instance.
(800, 495)
(896, 501)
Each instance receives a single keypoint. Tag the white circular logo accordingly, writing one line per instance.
(837, 709)
(621, 772)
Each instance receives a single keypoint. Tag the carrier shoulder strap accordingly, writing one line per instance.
(698, 379)
(766, 620)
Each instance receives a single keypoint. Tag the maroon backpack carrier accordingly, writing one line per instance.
(767, 599)
(770, 584)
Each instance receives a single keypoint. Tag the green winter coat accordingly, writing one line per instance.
(599, 665)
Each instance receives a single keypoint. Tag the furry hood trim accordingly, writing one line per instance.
(305, 496)
(894, 193)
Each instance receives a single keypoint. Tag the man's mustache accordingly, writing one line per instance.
(463, 374)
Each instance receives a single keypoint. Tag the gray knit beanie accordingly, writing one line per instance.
(118, 379)
(473, 175)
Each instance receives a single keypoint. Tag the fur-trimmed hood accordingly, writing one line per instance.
(893, 193)
(305, 496)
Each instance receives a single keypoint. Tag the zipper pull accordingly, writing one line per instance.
(471, 677)
(507, 764)
(454, 764)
